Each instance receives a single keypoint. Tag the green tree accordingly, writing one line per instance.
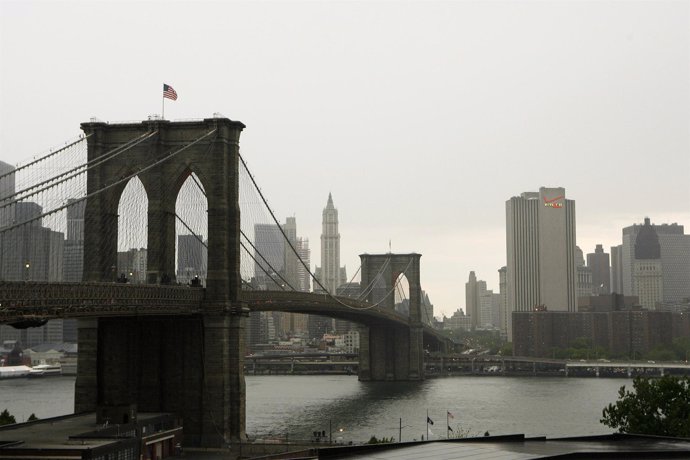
(6, 418)
(655, 406)
(375, 440)
(32, 418)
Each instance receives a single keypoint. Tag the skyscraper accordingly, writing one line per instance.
(648, 282)
(598, 262)
(540, 252)
(473, 290)
(270, 256)
(330, 273)
(674, 246)
(74, 244)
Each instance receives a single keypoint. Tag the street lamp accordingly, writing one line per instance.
(27, 266)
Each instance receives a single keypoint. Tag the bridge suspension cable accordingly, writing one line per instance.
(109, 186)
(65, 176)
(19, 168)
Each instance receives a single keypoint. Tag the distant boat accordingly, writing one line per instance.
(45, 370)
(10, 372)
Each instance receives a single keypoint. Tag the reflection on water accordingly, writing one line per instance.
(300, 405)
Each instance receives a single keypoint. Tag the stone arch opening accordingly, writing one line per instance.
(401, 294)
(191, 232)
(132, 234)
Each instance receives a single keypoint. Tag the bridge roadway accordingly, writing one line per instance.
(24, 302)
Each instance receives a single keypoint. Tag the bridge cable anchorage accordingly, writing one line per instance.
(88, 165)
(107, 187)
(45, 157)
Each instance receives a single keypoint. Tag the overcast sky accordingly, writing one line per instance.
(421, 118)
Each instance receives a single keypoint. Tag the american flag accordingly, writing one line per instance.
(169, 92)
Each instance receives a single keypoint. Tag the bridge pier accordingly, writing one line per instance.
(191, 366)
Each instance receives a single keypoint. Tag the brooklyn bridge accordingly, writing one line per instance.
(159, 345)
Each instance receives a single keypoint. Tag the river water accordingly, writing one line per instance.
(297, 406)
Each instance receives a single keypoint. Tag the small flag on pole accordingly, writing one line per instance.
(429, 421)
(450, 415)
(169, 92)
(449, 428)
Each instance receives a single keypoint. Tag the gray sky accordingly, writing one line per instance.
(422, 118)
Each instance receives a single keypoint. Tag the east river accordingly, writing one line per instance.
(297, 406)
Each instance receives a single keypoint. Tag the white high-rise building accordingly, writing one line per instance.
(330, 273)
(540, 247)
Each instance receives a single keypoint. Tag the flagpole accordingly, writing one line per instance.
(447, 424)
(163, 109)
(427, 424)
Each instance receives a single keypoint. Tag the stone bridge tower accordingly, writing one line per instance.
(388, 352)
(189, 365)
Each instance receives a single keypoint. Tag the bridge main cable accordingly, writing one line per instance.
(107, 187)
(45, 157)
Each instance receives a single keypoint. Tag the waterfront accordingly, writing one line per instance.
(298, 405)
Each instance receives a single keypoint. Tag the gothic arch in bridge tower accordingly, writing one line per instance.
(191, 231)
(390, 352)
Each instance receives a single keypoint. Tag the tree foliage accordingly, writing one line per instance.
(6, 418)
(383, 440)
(655, 406)
(32, 418)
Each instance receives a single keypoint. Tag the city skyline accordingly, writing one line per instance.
(421, 119)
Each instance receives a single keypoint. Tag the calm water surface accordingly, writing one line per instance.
(299, 405)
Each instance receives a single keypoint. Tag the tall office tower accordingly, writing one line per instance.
(503, 312)
(291, 262)
(489, 304)
(192, 259)
(541, 252)
(584, 275)
(7, 189)
(617, 269)
(330, 273)
(675, 260)
(598, 263)
(303, 276)
(473, 290)
(73, 263)
(648, 283)
(270, 257)
(31, 252)
(292, 324)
